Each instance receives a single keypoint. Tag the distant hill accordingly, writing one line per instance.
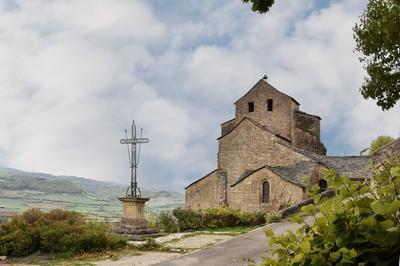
(20, 190)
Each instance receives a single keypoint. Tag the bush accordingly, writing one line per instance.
(56, 231)
(167, 222)
(359, 226)
(186, 220)
(272, 218)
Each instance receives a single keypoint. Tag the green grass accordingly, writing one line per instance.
(237, 230)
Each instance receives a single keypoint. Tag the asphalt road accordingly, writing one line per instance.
(232, 252)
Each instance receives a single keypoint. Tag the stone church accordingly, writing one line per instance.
(265, 153)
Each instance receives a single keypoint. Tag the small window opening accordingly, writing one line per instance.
(265, 192)
(270, 104)
(323, 185)
(251, 106)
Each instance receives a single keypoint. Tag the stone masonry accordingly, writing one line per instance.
(264, 154)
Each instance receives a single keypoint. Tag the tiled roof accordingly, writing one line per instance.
(296, 172)
(355, 167)
(292, 173)
(244, 176)
(352, 166)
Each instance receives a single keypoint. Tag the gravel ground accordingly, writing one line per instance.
(162, 239)
(146, 258)
(198, 241)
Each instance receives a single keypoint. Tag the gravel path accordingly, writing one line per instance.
(198, 241)
(146, 258)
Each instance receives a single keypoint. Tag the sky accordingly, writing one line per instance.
(74, 74)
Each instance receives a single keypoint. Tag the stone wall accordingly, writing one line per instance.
(307, 133)
(227, 126)
(248, 193)
(389, 151)
(249, 147)
(208, 192)
(279, 119)
(307, 141)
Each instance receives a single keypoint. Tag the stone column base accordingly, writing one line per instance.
(133, 214)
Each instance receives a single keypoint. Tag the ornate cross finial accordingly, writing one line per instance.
(133, 154)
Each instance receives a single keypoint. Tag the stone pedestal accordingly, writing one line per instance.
(133, 214)
(133, 222)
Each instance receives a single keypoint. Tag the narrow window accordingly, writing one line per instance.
(265, 192)
(251, 106)
(270, 104)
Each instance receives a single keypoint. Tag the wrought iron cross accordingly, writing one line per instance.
(133, 155)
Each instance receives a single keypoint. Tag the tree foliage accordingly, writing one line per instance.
(378, 39)
(359, 226)
(260, 6)
(379, 143)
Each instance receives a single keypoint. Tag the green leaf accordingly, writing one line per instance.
(369, 221)
(269, 232)
(335, 256)
(378, 207)
(305, 246)
(298, 258)
(325, 207)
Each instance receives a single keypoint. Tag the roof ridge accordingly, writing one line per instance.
(257, 124)
(309, 154)
(201, 178)
(262, 80)
(305, 113)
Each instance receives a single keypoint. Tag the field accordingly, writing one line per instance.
(20, 191)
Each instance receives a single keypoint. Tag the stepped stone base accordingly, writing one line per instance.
(133, 221)
(135, 234)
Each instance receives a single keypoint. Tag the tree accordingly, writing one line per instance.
(378, 39)
(260, 6)
(379, 143)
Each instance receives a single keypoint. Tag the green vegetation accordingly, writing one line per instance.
(379, 143)
(236, 230)
(260, 6)
(54, 232)
(21, 190)
(359, 226)
(378, 39)
(187, 220)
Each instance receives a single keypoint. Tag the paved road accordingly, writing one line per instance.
(251, 245)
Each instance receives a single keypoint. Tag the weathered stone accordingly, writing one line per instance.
(269, 140)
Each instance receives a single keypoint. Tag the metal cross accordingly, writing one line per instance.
(133, 155)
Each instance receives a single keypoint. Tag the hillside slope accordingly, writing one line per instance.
(20, 190)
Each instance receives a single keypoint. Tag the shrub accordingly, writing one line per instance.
(188, 219)
(359, 226)
(167, 222)
(56, 231)
(272, 218)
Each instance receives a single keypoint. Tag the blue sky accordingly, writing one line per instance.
(73, 74)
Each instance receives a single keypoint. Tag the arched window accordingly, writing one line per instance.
(323, 185)
(265, 192)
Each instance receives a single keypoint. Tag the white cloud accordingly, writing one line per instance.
(73, 74)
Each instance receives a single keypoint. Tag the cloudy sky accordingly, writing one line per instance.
(73, 74)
